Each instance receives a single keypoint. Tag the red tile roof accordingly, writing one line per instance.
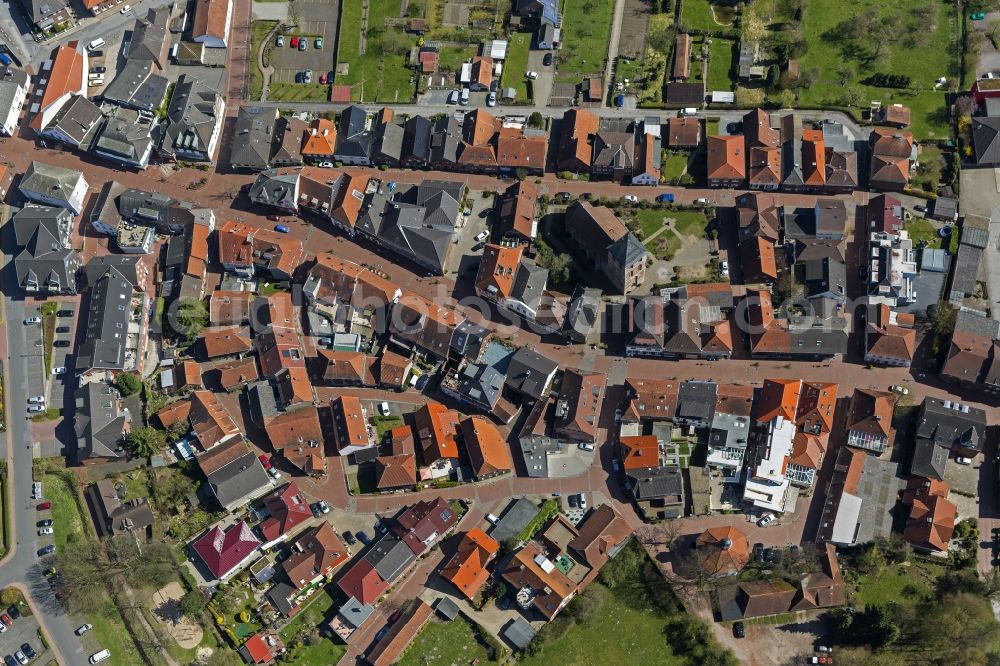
(466, 570)
(497, 270)
(436, 427)
(211, 18)
(422, 524)
(486, 447)
(65, 76)
(317, 551)
(222, 551)
(778, 397)
(362, 582)
(723, 550)
(576, 140)
(515, 150)
(640, 451)
(726, 158)
(288, 508)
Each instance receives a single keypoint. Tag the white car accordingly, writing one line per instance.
(61, 370)
(482, 235)
(963, 461)
(766, 519)
(383, 409)
(724, 268)
(3, 628)
(585, 446)
(126, 9)
(32, 320)
(326, 165)
(531, 75)
(491, 99)
(901, 390)
(37, 400)
(631, 198)
(42, 531)
(701, 201)
(36, 409)
(83, 628)
(583, 501)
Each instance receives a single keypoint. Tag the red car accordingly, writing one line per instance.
(295, 42)
(265, 461)
(6, 619)
(44, 506)
(322, 77)
(274, 218)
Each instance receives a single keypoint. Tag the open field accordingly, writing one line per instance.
(444, 643)
(586, 31)
(380, 75)
(720, 65)
(700, 15)
(838, 53)
(516, 65)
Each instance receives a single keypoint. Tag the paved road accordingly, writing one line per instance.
(21, 566)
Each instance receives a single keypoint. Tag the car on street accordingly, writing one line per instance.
(482, 235)
(280, 41)
(666, 197)
(383, 409)
(126, 9)
(281, 228)
(531, 75)
(35, 409)
(64, 313)
(44, 506)
(28, 651)
(631, 198)
(547, 59)
(98, 70)
(21, 659)
(62, 329)
(295, 42)
(6, 619)
(45, 523)
(363, 538)
(724, 268)
(30, 321)
(307, 76)
(318, 42)
(303, 44)
(264, 460)
(274, 218)
(766, 519)
(61, 370)
(491, 99)
(586, 446)
(349, 538)
(61, 343)
(47, 550)
(326, 165)
(739, 631)
(42, 531)
(37, 399)
(920, 209)
(758, 551)
(9, 660)
(13, 612)
(901, 390)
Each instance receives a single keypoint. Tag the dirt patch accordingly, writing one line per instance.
(187, 634)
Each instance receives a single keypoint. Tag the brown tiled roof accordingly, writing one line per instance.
(209, 419)
(602, 531)
(757, 259)
(891, 142)
(515, 150)
(886, 169)
(317, 551)
(294, 385)
(392, 368)
(723, 550)
(482, 70)
(596, 226)
(197, 258)
(651, 398)
(871, 412)
(734, 399)
(817, 401)
(650, 156)
(726, 158)
(931, 522)
(897, 114)
(188, 374)
(436, 427)
(759, 598)
(229, 307)
(466, 570)
(813, 158)
(517, 209)
(759, 215)
(401, 633)
(395, 471)
(485, 445)
(236, 373)
(349, 282)
(210, 18)
(173, 413)
(778, 397)
(890, 340)
(551, 586)
(758, 131)
(219, 456)
(684, 132)
(320, 138)
(242, 245)
(351, 428)
(349, 198)
(299, 427)
(765, 166)
(640, 451)
(682, 56)
(807, 451)
(576, 139)
(344, 367)
(578, 409)
(426, 324)
(497, 268)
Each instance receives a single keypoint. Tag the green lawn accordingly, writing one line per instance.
(444, 643)
(697, 15)
(664, 246)
(451, 57)
(516, 65)
(921, 230)
(828, 52)
(258, 31)
(650, 221)
(720, 65)
(66, 517)
(375, 78)
(586, 32)
(110, 633)
(689, 222)
(298, 92)
(897, 583)
(674, 165)
(313, 616)
(323, 653)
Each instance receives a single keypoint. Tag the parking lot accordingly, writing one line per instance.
(23, 629)
(317, 19)
(33, 351)
(465, 238)
(63, 334)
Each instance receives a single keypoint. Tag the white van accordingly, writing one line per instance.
(95, 75)
(100, 656)
(453, 97)
(689, 111)
(36, 490)
(93, 83)
(465, 97)
(96, 44)
(173, 52)
(493, 519)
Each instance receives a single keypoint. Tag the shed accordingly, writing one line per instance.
(498, 49)
(945, 209)
(447, 608)
(340, 94)
(508, 94)
(723, 97)
(934, 260)
(519, 633)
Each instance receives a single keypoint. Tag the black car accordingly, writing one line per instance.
(97, 54)
(565, 196)
(62, 329)
(739, 631)
(13, 612)
(758, 551)
(364, 538)
(45, 523)
(349, 538)
(28, 652)
(48, 550)
(61, 343)
(299, 77)
(64, 313)
(547, 60)
(9, 660)
(98, 70)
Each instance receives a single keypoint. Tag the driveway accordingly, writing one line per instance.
(542, 86)
(316, 20)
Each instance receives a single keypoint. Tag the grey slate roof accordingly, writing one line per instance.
(967, 321)
(106, 321)
(352, 139)
(975, 235)
(696, 400)
(468, 339)
(252, 137)
(135, 86)
(417, 139)
(125, 264)
(276, 190)
(986, 140)
(389, 556)
(388, 144)
(929, 460)
(515, 518)
(656, 483)
(529, 283)
(627, 250)
(951, 424)
(47, 260)
(535, 452)
(241, 478)
(126, 136)
(966, 268)
(826, 275)
(191, 116)
(582, 313)
(355, 612)
(99, 427)
(529, 372)
(614, 150)
(40, 10)
(519, 633)
(11, 80)
(78, 119)
(140, 206)
(148, 35)
(446, 139)
(481, 384)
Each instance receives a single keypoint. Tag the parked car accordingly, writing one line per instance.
(299, 77)
(482, 235)
(3, 628)
(631, 198)
(666, 197)
(572, 501)
(61, 343)
(307, 76)
(32, 320)
(766, 519)
(13, 612)
(37, 399)
(920, 209)
(349, 538)
(6, 619)
(758, 551)
(586, 446)
(274, 218)
(547, 59)
(28, 651)
(724, 268)
(901, 390)
(264, 460)
(126, 9)
(275, 474)
(491, 99)
(739, 631)
(44, 530)
(531, 75)
(281, 228)
(47, 550)
(318, 43)
(303, 44)
(326, 165)
(582, 501)
(962, 460)
(280, 41)
(61, 370)
(383, 409)
(62, 329)
(44, 523)
(701, 201)
(323, 77)
(363, 538)
(44, 506)
(98, 70)
(64, 313)
(295, 42)
(9, 660)
(34, 409)
(97, 54)
(324, 508)
(492, 519)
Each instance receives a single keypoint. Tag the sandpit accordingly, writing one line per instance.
(187, 634)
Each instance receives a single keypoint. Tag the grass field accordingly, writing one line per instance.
(720, 65)
(689, 222)
(258, 31)
(650, 221)
(674, 165)
(298, 92)
(828, 52)
(516, 65)
(66, 517)
(664, 246)
(452, 57)
(697, 14)
(897, 583)
(374, 78)
(444, 643)
(586, 31)
(922, 230)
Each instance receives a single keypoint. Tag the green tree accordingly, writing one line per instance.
(559, 270)
(189, 318)
(127, 384)
(192, 604)
(146, 441)
(536, 119)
